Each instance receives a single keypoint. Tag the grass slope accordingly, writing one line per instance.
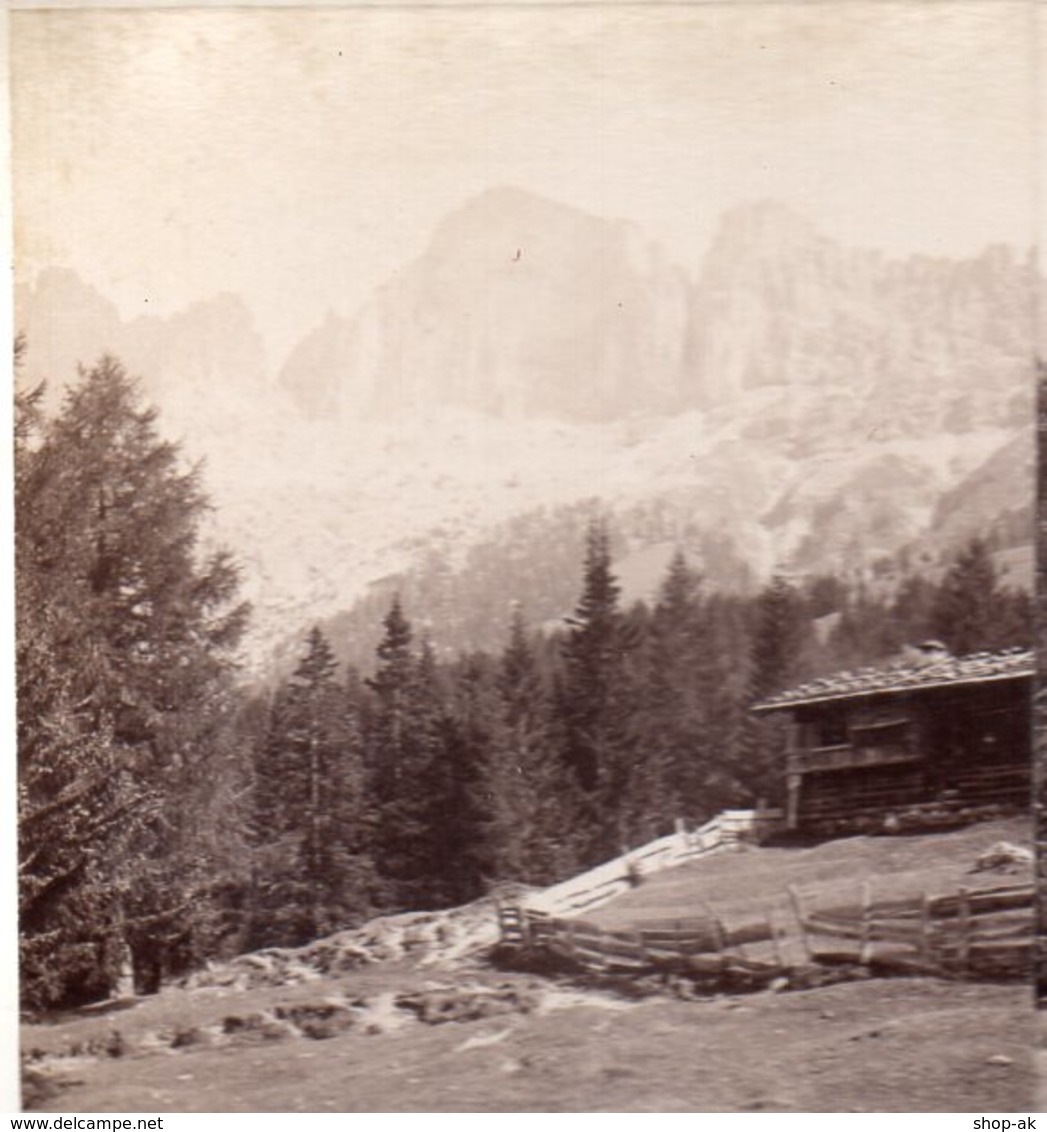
(738, 886)
(891, 1046)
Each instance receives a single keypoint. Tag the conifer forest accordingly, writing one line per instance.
(172, 808)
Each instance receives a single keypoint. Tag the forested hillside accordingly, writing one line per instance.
(529, 563)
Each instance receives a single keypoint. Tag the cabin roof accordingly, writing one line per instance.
(906, 676)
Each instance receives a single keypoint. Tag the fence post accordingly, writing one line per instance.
(641, 947)
(926, 944)
(499, 911)
(964, 925)
(722, 944)
(797, 904)
(772, 927)
(865, 944)
(681, 947)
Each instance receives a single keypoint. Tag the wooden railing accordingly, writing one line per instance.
(847, 757)
(591, 889)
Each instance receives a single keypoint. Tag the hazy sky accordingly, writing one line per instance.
(298, 157)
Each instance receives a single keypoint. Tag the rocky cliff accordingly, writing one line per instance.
(781, 400)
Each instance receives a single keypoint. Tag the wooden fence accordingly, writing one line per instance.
(977, 934)
(591, 889)
(986, 933)
(697, 943)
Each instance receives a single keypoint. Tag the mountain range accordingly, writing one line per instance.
(779, 402)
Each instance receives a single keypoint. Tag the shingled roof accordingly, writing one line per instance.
(903, 676)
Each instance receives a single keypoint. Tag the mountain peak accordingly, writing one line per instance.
(511, 199)
(519, 306)
(505, 215)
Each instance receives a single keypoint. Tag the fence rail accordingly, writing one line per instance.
(596, 887)
(981, 933)
(987, 933)
(690, 945)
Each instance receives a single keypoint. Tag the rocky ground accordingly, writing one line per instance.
(388, 1040)
(394, 1036)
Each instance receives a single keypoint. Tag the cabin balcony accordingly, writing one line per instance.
(846, 756)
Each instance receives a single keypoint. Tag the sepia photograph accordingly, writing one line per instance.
(524, 557)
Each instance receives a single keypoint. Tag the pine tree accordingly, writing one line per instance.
(125, 654)
(313, 873)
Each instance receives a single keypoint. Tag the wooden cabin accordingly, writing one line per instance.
(927, 740)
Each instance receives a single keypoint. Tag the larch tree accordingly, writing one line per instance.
(126, 649)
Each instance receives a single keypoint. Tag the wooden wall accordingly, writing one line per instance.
(952, 750)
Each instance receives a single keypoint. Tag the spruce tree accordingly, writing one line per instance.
(780, 637)
(668, 719)
(595, 700)
(911, 616)
(461, 783)
(533, 795)
(779, 643)
(313, 872)
(967, 608)
(591, 658)
(445, 779)
(732, 772)
(404, 742)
